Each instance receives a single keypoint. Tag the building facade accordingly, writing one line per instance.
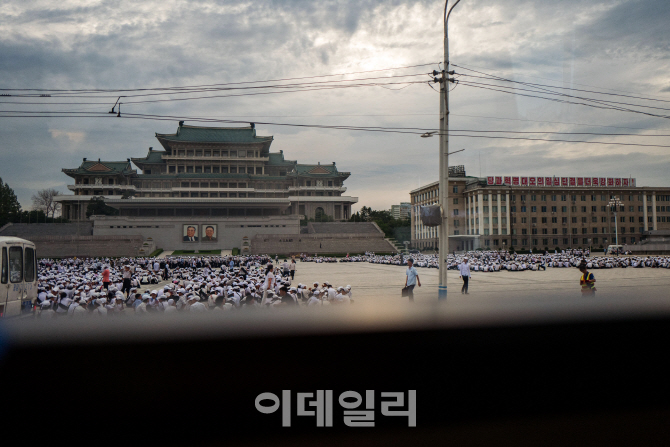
(223, 177)
(402, 211)
(515, 212)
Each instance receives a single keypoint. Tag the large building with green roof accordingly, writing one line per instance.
(209, 174)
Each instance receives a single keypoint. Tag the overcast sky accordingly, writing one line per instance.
(620, 47)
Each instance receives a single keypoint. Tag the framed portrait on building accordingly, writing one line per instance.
(209, 233)
(190, 232)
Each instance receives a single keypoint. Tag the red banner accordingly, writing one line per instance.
(524, 181)
(610, 181)
(531, 181)
(507, 180)
(603, 181)
(540, 181)
(557, 181)
(489, 181)
(573, 181)
(580, 181)
(564, 181)
(624, 181)
(617, 182)
(499, 181)
(587, 181)
(515, 181)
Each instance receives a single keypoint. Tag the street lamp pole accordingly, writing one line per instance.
(444, 159)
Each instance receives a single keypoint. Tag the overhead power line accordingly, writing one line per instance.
(214, 85)
(398, 130)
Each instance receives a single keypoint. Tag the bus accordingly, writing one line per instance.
(18, 278)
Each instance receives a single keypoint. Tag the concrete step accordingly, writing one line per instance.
(226, 252)
(165, 253)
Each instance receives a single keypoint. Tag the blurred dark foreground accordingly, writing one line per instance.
(560, 373)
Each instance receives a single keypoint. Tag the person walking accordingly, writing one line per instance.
(464, 269)
(127, 276)
(411, 278)
(292, 268)
(268, 284)
(587, 281)
(105, 278)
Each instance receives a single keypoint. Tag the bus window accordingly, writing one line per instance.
(15, 264)
(4, 265)
(29, 263)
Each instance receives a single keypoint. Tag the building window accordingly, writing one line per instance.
(544, 197)
(544, 220)
(533, 198)
(564, 220)
(554, 231)
(544, 209)
(455, 212)
(533, 209)
(564, 197)
(553, 197)
(455, 189)
(554, 220)
(523, 208)
(455, 200)
(513, 208)
(554, 241)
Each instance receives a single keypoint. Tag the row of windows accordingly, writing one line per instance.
(564, 197)
(564, 209)
(213, 169)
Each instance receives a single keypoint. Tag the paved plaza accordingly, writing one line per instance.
(375, 283)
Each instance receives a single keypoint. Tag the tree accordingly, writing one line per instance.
(9, 204)
(97, 206)
(44, 200)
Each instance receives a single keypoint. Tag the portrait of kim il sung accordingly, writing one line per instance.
(209, 233)
(190, 233)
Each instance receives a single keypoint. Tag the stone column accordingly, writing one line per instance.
(467, 213)
(507, 205)
(480, 213)
(653, 209)
(644, 211)
(499, 215)
(490, 214)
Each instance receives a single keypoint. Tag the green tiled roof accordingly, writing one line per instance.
(152, 157)
(98, 167)
(277, 159)
(214, 135)
(305, 169)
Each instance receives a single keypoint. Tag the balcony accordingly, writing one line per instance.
(218, 158)
(80, 187)
(318, 188)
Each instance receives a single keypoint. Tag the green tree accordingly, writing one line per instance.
(9, 204)
(98, 207)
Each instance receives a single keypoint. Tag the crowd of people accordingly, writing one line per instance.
(113, 287)
(500, 260)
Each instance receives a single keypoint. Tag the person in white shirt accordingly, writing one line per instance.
(269, 283)
(464, 270)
